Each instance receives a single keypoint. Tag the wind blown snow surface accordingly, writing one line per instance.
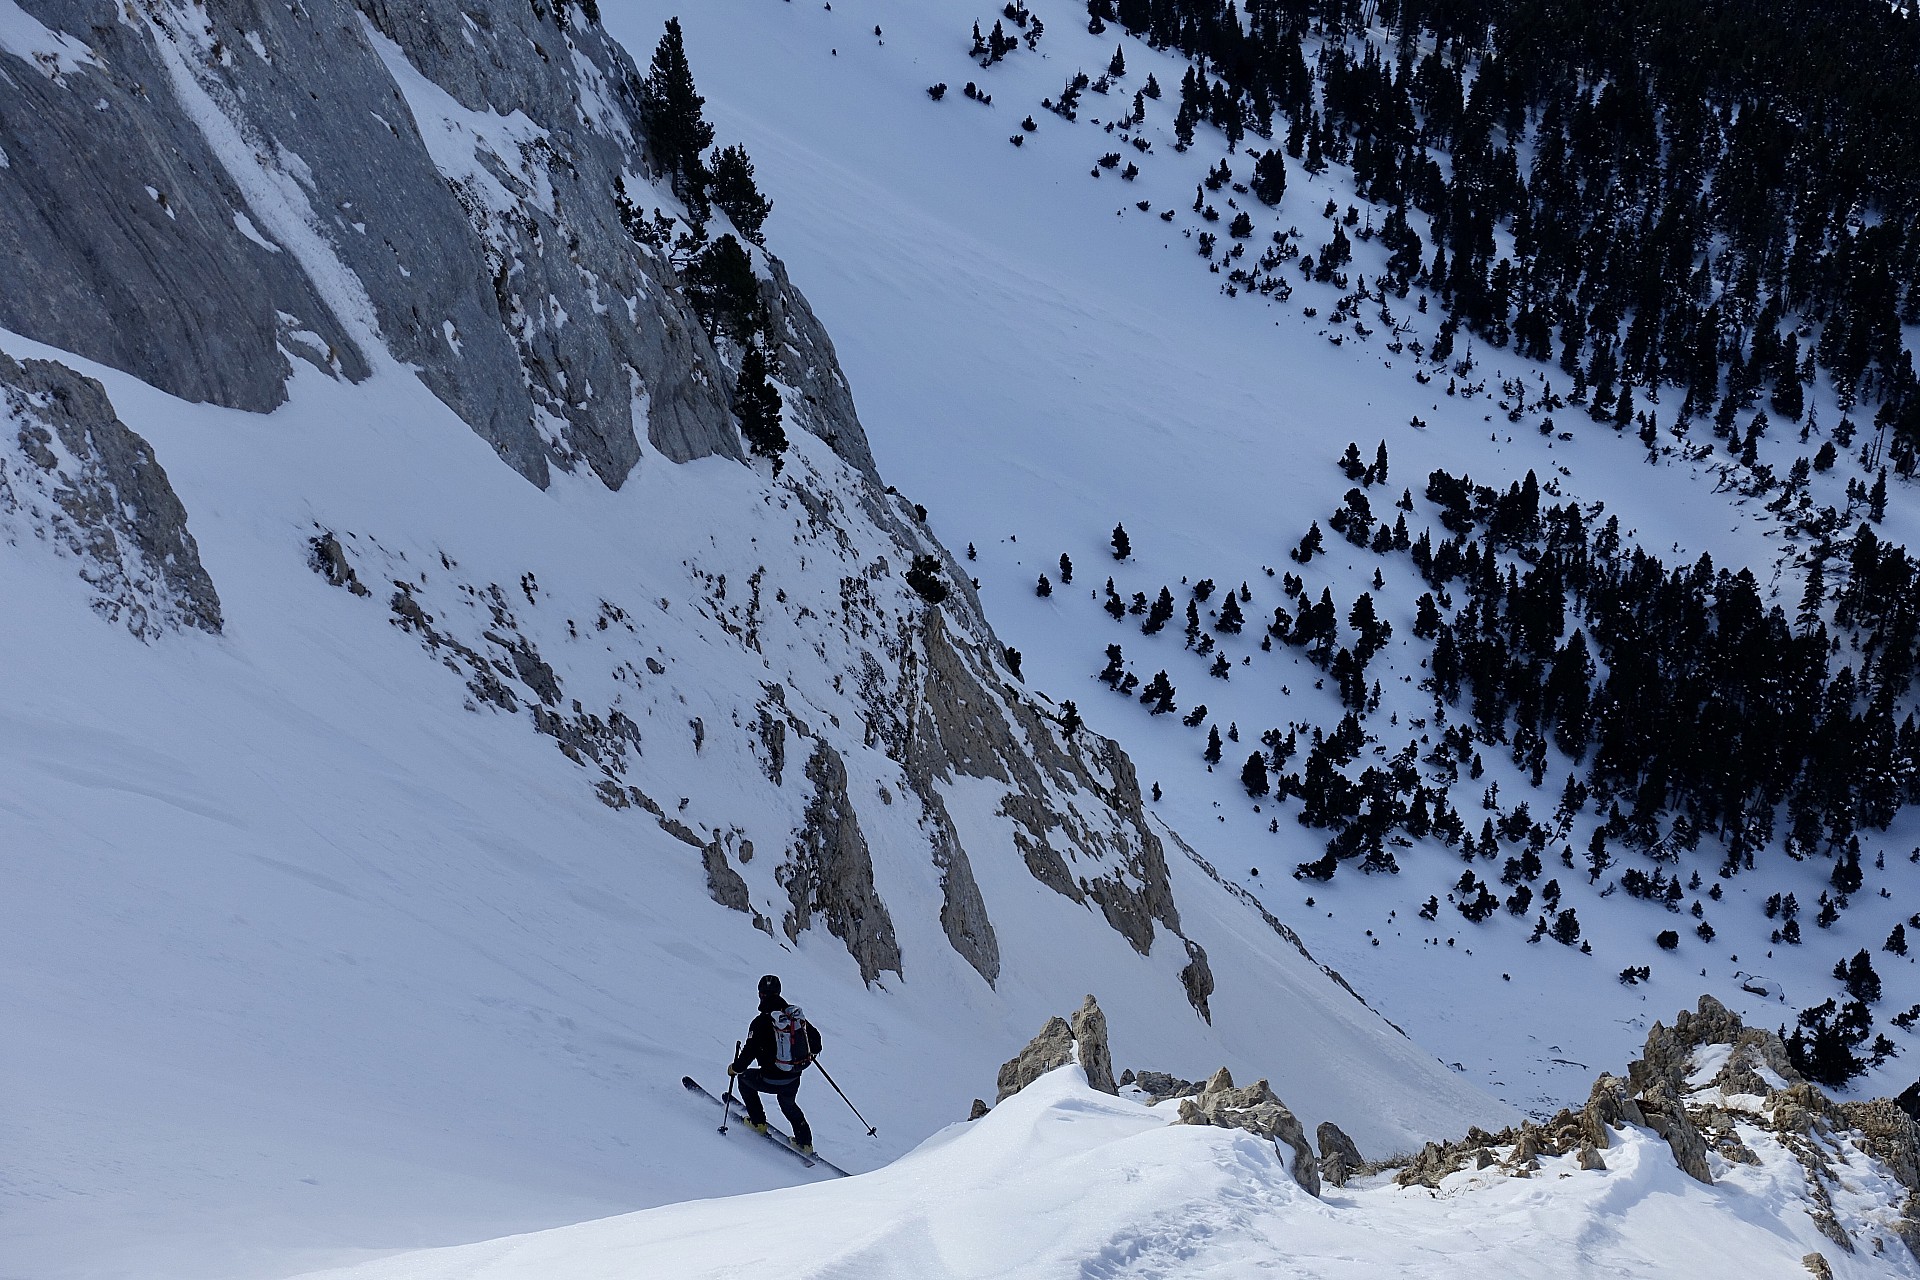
(1062, 1183)
(1039, 360)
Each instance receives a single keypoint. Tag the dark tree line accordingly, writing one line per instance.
(1722, 199)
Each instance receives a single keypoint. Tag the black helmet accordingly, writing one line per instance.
(770, 985)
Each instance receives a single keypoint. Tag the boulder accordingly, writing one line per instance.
(1339, 1157)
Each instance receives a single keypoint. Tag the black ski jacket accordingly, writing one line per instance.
(759, 1045)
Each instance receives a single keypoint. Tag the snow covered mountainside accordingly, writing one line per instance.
(1061, 1180)
(1056, 330)
(429, 714)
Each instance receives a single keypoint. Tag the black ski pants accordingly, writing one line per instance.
(755, 1081)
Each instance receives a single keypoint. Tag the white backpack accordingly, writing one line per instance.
(791, 1049)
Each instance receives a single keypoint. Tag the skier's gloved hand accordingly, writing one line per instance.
(731, 1073)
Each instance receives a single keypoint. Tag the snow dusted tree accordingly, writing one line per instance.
(735, 192)
(1122, 545)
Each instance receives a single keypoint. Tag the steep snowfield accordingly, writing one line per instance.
(300, 956)
(1060, 1181)
(1038, 360)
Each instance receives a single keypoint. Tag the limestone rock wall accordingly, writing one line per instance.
(74, 476)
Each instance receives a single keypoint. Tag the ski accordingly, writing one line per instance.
(772, 1135)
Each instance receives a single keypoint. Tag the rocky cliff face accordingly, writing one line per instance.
(437, 190)
(432, 184)
(73, 476)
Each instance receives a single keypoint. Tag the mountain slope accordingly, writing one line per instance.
(1045, 360)
(431, 720)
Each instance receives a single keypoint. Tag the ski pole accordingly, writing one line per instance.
(871, 1131)
(726, 1099)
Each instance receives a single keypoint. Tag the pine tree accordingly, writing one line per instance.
(1253, 775)
(1212, 754)
(1157, 697)
(1270, 178)
(734, 191)
(1070, 720)
(1122, 545)
(1066, 570)
(671, 111)
(724, 290)
(1159, 614)
(756, 401)
(1117, 67)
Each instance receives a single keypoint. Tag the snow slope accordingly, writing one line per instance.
(1039, 360)
(303, 956)
(1060, 1181)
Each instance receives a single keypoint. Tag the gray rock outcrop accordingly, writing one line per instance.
(1755, 1086)
(1609, 1106)
(1083, 1040)
(1339, 1158)
(1090, 1040)
(1159, 1086)
(831, 872)
(73, 474)
(1257, 1110)
(1048, 1051)
(1667, 1116)
(232, 216)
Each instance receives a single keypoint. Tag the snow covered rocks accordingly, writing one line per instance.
(72, 474)
(1257, 1110)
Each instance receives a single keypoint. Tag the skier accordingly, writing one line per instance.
(784, 1043)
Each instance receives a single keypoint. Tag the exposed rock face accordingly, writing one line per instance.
(832, 872)
(963, 912)
(1257, 1110)
(73, 474)
(434, 189)
(1667, 1116)
(1103, 854)
(724, 884)
(1090, 1040)
(478, 229)
(1339, 1158)
(1048, 1051)
(1610, 1106)
(1083, 1040)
